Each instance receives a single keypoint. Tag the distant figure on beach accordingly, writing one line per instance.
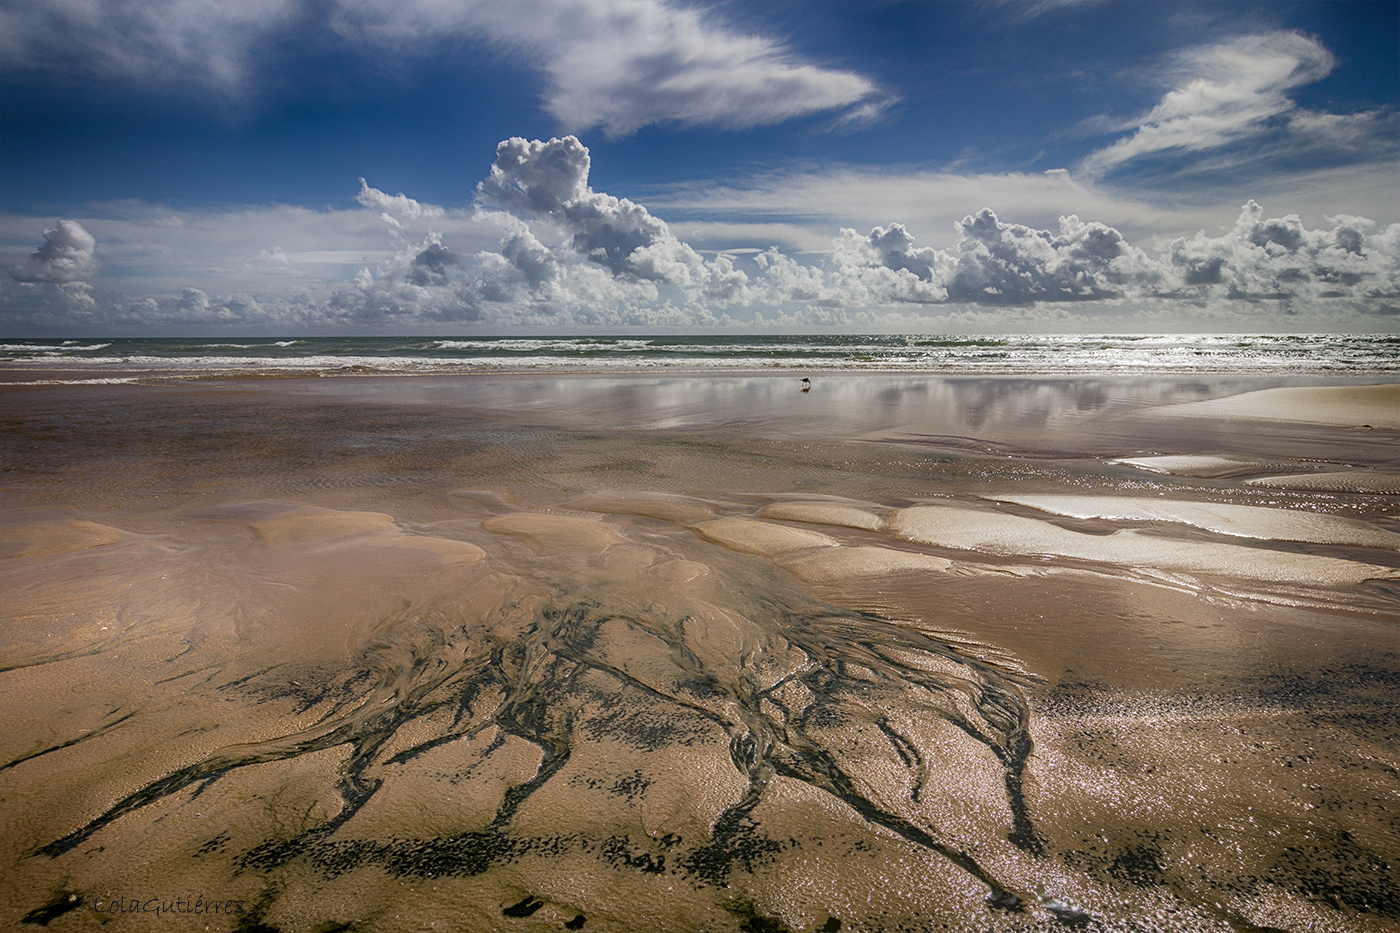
(806, 384)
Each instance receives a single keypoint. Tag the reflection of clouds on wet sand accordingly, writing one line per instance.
(1246, 521)
(981, 530)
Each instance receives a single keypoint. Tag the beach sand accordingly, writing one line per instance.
(632, 653)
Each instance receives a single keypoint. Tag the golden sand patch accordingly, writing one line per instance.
(555, 533)
(311, 525)
(678, 509)
(58, 537)
(676, 572)
(821, 513)
(750, 536)
(835, 565)
(1375, 406)
(449, 551)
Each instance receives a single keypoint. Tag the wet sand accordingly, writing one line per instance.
(700, 653)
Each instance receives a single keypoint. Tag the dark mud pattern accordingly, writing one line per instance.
(559, 685)
(60, 905)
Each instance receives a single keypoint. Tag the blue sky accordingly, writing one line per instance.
(195, 166)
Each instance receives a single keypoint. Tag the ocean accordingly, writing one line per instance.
(127, 359)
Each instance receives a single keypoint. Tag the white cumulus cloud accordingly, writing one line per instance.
(1350, 265)
(547, 183)
(397, 209)
(67, 255)
(999, 263)
(541, 249)
(1279, 257)
(566, 256)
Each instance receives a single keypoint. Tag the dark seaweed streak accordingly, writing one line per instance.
(542, 687)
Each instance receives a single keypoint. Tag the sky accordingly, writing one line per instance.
(287, 167)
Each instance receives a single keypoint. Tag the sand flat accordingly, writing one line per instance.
(58, 537)
(555, 532)
(1376, 406)
(448, 550)
(677, 509)
(824, 513)
(766, 538)
(835, 565)
(305, 526)
(531, 666)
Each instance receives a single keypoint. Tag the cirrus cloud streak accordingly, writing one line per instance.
(615, 64)
(1237, 92)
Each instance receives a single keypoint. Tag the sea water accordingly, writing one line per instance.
(1297, 354)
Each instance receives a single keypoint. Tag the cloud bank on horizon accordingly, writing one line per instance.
(1118, 239)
